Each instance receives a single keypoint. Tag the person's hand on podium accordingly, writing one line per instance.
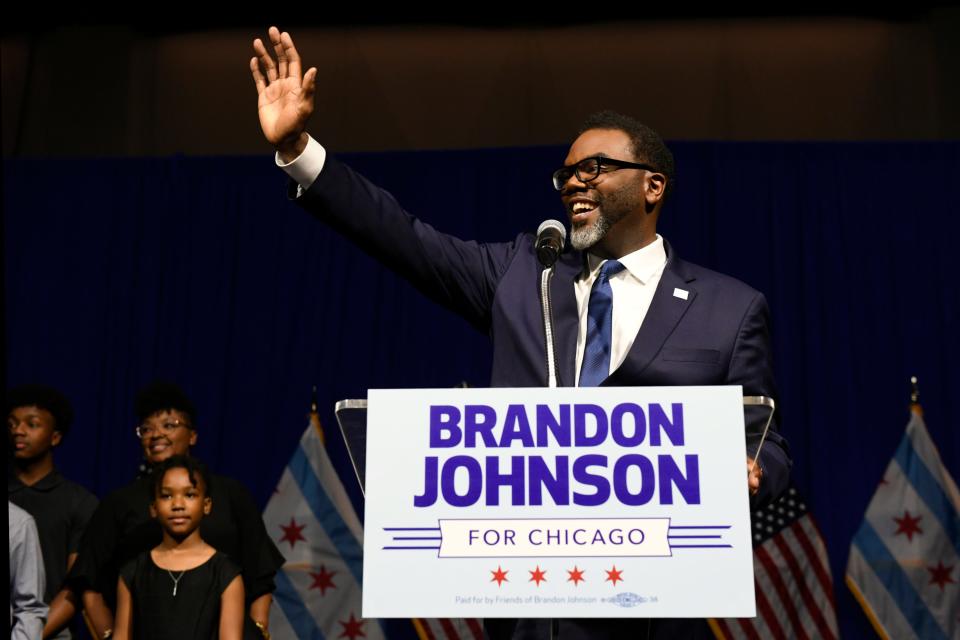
(285, 98)
(754, 476)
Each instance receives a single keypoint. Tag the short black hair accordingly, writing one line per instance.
(194, 469)
(648, 146)
(44, 397)
(163, 396)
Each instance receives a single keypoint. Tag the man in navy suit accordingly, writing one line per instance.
(627, 310)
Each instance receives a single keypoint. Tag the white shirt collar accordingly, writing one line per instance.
(642, 264)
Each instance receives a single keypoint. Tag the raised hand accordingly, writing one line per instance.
(285, 98)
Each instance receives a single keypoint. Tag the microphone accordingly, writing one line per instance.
(550, 238)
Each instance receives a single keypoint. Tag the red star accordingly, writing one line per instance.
(538, 576)
(576, 576)
(499, 576)
(291, 532)
(908, 525)
(352, 628)
(614, 575)
(323, 580)
(940, 575)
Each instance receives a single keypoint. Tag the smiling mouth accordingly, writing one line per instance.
(580, 209)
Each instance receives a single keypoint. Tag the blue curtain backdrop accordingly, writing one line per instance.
(199, 270)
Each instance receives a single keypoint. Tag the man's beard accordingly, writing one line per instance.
(613, 208)
(586, 235)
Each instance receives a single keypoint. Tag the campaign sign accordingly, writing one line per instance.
(573, 503)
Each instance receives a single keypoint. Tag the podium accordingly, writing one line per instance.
(544, 503)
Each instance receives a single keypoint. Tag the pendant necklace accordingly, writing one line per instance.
(175, 580)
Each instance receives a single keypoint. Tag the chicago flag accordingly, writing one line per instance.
(904, 565)
(313, 523)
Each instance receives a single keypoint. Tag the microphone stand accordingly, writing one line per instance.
(545, 306)
(545, 276)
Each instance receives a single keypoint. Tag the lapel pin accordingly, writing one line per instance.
(680, 293)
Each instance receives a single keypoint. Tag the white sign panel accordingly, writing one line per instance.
(573, 503)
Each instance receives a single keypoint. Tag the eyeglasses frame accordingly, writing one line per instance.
(162, 428)
(601, 161)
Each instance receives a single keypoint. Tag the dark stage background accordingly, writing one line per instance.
(199, 270)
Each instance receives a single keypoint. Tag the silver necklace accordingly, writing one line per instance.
(175, 580)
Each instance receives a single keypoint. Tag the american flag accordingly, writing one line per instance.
(792, 577)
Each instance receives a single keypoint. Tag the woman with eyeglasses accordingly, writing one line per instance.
(122, 528)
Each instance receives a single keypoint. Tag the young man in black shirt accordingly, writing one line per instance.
(38, 419)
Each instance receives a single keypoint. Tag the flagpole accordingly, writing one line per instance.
(420, 629)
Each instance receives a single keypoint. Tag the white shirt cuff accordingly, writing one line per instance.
(305, 168)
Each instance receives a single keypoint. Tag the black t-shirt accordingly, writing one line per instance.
(192, 613)
(61, 509)
(121, 529)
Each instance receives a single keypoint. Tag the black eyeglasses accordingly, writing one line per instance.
(590, 169)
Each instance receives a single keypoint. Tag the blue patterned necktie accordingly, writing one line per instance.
(596, 353)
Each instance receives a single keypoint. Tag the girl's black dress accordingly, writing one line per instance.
(192, 614)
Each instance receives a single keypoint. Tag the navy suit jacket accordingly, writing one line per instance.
(716, 335)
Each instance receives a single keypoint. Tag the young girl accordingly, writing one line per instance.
(183, 588)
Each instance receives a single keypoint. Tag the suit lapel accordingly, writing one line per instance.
(665, 312)
(566, 320)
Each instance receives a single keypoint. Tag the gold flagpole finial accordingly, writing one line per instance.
(315, 415)
(915, 397)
